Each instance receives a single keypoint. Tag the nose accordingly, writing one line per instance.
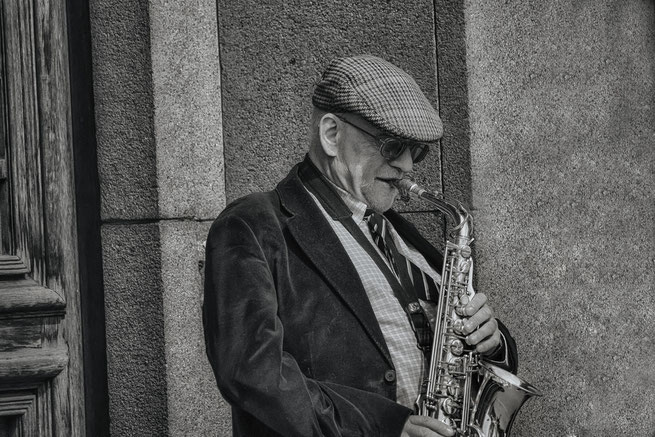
(404, 162)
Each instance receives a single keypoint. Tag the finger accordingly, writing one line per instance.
(489, 344)
(486, 330)
(419, 431)
(476, 302)
(429, 425)
(485, 314)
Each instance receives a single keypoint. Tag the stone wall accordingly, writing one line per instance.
(562, 107)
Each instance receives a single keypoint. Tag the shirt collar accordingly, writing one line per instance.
(357, 207)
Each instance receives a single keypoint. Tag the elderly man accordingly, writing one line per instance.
(306, 320)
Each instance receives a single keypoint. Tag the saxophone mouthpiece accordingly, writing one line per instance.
(407, 186)
(403, 186)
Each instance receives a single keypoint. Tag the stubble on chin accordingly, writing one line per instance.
(379, 198)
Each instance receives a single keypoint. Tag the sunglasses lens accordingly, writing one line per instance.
(419, 152)
(391, 148)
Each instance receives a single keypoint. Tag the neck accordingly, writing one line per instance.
(322, 164)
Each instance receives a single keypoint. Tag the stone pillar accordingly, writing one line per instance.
(160, 161)
(562, 109)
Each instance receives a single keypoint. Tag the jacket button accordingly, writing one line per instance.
(390, 375)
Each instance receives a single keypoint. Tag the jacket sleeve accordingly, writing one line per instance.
(506, 355)
(244, 342)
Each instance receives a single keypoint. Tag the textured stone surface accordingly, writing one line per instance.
(562, 113)
(187, 101)
(453, 100)
(124, 109)
(157, 93)
(160, 382)
(136, 360)
(194, 403)
(157, 98)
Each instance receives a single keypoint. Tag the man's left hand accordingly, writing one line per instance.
(480, 327)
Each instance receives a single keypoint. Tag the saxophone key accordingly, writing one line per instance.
(456, 347)
(449, 406)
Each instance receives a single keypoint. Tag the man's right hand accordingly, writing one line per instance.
(424, 426)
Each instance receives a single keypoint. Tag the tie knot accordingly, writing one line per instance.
(375, 222)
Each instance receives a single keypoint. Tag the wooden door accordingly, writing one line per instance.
(41, 383)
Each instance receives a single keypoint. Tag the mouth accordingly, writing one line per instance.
(390, 181)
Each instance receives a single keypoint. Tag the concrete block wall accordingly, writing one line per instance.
(562, 112)
(158, 114)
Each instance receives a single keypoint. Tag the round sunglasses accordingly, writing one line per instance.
(392, 147)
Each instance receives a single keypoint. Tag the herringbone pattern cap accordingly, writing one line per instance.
(381, 93)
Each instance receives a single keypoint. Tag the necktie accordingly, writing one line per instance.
(407, 272)
(414, 282)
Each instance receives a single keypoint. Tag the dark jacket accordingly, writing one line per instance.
(292, 338)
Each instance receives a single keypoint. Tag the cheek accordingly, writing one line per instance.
(363, 177)
(361, 172)
(370, 172)
(364, 164)
(352, 179)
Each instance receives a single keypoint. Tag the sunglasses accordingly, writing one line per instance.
(392, 148)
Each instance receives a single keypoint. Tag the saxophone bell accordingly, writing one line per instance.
(500, 395)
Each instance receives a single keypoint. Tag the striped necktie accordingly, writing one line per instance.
(407, 272)
(410, 277)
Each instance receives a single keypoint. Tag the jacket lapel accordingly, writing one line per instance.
(320, 244)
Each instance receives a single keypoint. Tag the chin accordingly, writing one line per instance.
(381, 204)
(380, 197)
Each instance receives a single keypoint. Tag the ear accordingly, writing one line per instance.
(328, 133)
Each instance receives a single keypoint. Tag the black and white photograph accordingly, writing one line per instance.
(285, 218)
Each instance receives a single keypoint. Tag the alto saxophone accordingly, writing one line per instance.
(476, 398)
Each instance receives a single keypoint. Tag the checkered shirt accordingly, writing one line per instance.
(381, 93)
(408, 360)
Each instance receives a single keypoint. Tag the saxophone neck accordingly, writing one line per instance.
(458, 215)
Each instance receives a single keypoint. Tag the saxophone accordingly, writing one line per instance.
(476, 398)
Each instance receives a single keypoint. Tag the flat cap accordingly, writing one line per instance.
(381, 93)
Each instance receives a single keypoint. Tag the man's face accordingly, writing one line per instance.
(360, 169)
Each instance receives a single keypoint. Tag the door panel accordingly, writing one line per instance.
(41, 387)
